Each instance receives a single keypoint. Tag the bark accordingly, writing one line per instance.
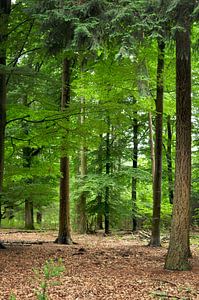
(39, 217)
(99, 196)
(151, 146)
(107, 190)
(134, 178)
(169, 160)
(155, 235)
(64, 235)
(5, 7)
(81, 205)
(29, 220)
(99, 213)
(179, 251)
(27, 161)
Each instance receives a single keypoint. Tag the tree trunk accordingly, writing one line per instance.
(107, 190)
(29, 219)
(155, 235)
(39, 217)
(5, 7)
(134, 178)
(151, 146)
(99, 212)
(27, 161)
(169, 160)
(81, 205)
(99, 196)
(64, 235)
(178, 253)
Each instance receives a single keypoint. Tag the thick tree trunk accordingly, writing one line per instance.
(107, 190)
(169, 160)
(134, 178)
(178, 253)
(155, 235)
(5, 7)
(64, 235)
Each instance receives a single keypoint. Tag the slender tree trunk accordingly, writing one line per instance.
(5, 7)
(155, 235)
(81, 205)
(178, 253)
(27, 161)
(64, 235)
(151, 146)
(134, 178)
(99, 196)
(99, 213)
(169, 160)
(107, 190)
(39, 217)
(2, 129)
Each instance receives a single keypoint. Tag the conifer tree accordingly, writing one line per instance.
(179, 251)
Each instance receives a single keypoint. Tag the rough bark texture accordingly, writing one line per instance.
(178, 253)
(5, 6)
(134, 178)
(169, 160)
(64, 235)
(155, 235)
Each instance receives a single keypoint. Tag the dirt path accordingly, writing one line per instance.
(116, 268)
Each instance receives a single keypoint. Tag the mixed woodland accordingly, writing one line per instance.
(99, 110)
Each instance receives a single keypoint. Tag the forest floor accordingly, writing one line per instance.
(113, 267)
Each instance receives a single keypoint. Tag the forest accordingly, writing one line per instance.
(99, 110)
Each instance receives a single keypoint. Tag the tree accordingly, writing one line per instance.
(155, 235)
(107, 189)
(64, 235)
(135, 165)
(178, 252)
(169, 159)
(5, 7)
(81, 201)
